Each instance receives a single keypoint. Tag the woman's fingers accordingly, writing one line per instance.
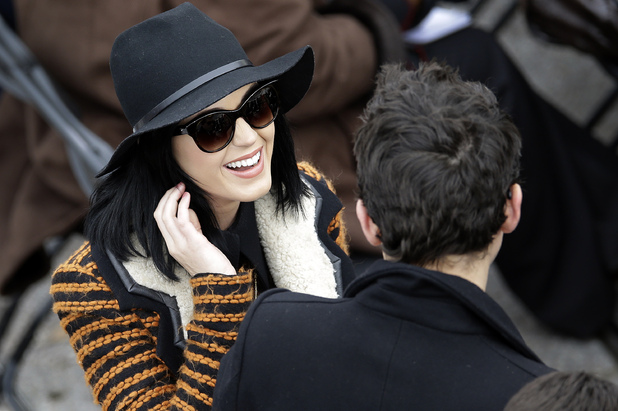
(168, 203)
(194, 220)
(182, 233)
(186, 214)
(165, 214)
(187, 220)
(183, 207)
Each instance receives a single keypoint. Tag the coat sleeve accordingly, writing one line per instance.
(117, 349)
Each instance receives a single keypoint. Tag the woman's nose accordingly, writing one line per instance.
(244, 134)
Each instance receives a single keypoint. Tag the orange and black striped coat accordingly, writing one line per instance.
(135, 345)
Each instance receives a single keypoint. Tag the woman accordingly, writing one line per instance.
(150, 302)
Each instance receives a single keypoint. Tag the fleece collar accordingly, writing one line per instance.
(297, 258)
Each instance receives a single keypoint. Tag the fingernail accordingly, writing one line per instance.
(180, 186)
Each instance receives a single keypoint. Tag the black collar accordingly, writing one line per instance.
(412, 292)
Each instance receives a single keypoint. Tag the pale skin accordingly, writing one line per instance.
(473, 267)
(227, 188)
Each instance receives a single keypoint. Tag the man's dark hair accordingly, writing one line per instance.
(435, 159)
(566, 391)
(123, 203)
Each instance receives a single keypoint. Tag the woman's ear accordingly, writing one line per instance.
(370, 230)
(512, 209)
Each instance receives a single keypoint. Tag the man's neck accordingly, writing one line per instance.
(473, 267)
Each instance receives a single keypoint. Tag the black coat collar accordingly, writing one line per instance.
(437, 301)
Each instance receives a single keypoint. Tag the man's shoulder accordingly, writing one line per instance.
(283, 296)
(278, 306)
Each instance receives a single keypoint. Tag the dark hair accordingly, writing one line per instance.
(566, 391)
(124, 201)
(435, 159)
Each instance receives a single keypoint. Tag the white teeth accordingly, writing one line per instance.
(250, 162)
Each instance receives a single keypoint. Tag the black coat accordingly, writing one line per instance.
(401, 338)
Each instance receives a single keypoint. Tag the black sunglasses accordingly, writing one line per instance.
(213, 132)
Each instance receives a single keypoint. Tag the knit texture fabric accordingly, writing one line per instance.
(117, 349)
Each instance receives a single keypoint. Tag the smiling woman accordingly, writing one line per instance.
(199, 210)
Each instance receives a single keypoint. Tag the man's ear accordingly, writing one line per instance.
(512, 209)
(370, 230)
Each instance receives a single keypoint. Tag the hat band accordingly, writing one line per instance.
(189, 88)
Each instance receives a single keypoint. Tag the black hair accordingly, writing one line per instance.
(123, 203)
(566, 391)
(436, 157)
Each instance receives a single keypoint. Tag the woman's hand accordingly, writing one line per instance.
(182, 233)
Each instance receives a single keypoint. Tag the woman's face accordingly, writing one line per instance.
(221, 174)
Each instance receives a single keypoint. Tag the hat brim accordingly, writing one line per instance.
(293, 71)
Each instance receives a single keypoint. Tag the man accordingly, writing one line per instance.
(438, 165)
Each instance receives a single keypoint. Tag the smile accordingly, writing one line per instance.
(249, 162)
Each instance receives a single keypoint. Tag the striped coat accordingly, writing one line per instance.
(117, 349)
(148, 343)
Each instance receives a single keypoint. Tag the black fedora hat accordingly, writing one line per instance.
(176, 63)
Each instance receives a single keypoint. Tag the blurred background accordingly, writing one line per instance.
(49, 378)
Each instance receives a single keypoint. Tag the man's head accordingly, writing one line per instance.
(437, 159)
(565, 391)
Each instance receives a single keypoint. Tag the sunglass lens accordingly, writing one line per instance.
(213, 131)
(261, 109)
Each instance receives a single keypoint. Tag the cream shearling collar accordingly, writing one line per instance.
(295, 255)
